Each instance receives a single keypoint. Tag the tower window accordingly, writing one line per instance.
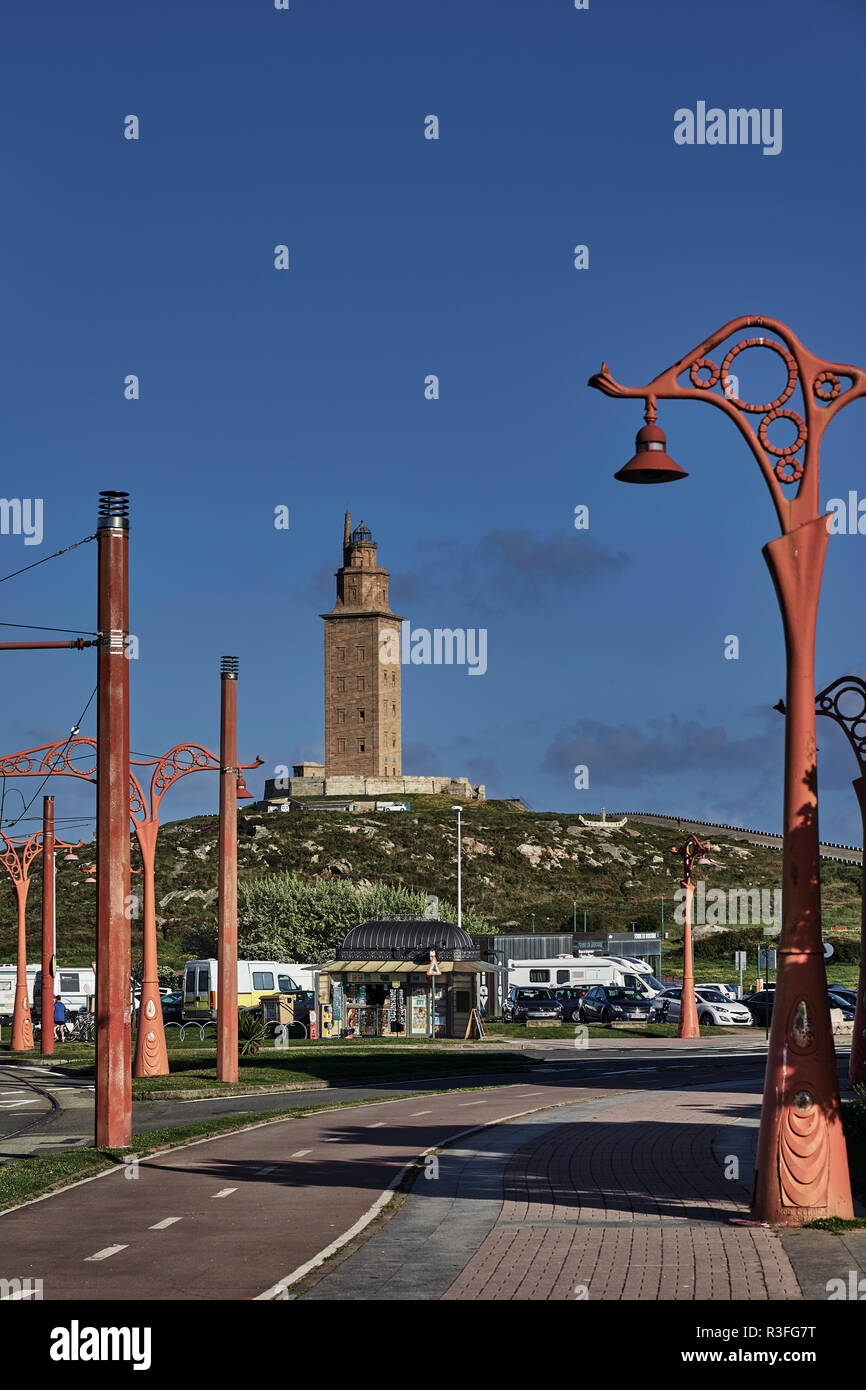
(361, 653)
(362, 747)
(341, 716)
(361, 682)
(361, 715)
(341, 682)
(341, 653)
(341, 745)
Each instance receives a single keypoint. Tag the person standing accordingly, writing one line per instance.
(59, 1019)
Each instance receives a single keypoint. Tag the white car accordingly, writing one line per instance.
(727, 991)
(712, 1006)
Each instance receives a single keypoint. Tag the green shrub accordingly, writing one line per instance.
(251, 1033)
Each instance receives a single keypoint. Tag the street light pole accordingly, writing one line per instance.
(113, 1003)
(459, 810)
(802, 1169)
(47, 1031)
(227, 945)
(689, 851)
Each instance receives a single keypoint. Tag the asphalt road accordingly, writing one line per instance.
(71, 1126)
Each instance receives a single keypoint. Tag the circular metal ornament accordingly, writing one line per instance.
(149, 1009)
(704, 364)
(803, 1100)
(829, 379)
(774, 347)
(782, 452)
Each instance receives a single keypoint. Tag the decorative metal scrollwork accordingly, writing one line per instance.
(852, 720)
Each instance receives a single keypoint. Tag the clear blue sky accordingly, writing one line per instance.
(410, 256)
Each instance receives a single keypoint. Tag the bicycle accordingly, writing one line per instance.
(84, 1028)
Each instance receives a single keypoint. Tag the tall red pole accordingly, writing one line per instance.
(113, 1007)
(802, 1161)
(227, 950)
(688, 1008)
(47, 925)
(22, 1027)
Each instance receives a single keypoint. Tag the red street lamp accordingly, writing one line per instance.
(802, 1168)
(689, 851)
(850, 692)
(151, 1055)
(18, 868)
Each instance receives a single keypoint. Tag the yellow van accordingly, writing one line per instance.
(255, 978)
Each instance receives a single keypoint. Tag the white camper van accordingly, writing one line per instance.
(579, 970)
(8, 981)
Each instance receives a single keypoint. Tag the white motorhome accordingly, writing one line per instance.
(578, 970)
(8, 982)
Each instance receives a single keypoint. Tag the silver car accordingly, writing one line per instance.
(713, 1007)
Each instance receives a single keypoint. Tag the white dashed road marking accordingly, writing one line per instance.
(161, 1225)
(104, 1254)
(300, 1153)
(224, 1192)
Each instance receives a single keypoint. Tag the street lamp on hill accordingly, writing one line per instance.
(459, 810)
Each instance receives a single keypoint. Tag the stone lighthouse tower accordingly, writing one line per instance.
(362, 692)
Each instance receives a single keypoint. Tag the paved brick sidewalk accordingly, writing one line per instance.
(620, 1198)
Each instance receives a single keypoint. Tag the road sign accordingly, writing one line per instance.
(828, 950)
(433, 967)
(766, 960)
(740, 960)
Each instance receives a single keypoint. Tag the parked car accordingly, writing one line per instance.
(569, 997)
(712, 1006)
(716, 1008)
(613, 1003)
(172, 1006)
(728, 991)
(760, 1005)
(525, 1001)
(847, 993)
(841, 1001)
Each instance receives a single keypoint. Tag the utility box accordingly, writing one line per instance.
(277, 1008)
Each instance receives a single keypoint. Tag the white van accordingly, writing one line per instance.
(577, 970)
(8, 983)
(75, 986)
(255, 978)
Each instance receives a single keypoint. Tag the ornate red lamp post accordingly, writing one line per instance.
(63, 759)
(844, 701)
(48, 923)
(151, 1056)
(689, 851)
(17, 865)
(802, 1167)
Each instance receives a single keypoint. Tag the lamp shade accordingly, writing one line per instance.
(242, 793)
(651, 463)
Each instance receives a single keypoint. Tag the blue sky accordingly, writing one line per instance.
(305, 388)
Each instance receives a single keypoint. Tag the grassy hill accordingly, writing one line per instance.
(515, 863)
